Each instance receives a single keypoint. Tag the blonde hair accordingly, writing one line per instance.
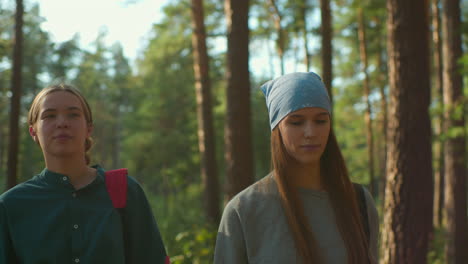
(33, 114)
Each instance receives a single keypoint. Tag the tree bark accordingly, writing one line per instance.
(117, 134)
(368, 119)
(13, 147)
(280, 41)
(327, 49)
(383, 102)
(206, 134)
(238, 140)
(438, 122)
(2, 151)
(303, 16)
(409, 192)
(455, 152)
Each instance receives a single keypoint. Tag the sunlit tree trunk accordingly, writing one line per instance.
(206, 134)
(238, 139)
(303, 24)
(2, 152)
(116, 139)
(409, 192)
(438, 119)
(455, 146)
(281, 34)
(369, 132)
(384, 116)
(16, 98)
(327, 49)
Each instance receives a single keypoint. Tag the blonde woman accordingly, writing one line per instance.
(306, 210)
(65, 214)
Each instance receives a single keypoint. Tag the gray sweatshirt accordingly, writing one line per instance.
(254, 229)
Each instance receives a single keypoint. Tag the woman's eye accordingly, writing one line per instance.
(295, 123)
(48, 116)
(324, 121)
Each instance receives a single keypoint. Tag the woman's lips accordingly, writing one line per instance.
(62, 137)
(310, 147)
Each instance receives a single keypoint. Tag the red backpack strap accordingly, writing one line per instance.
(116, 183)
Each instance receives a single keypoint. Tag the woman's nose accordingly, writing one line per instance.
(309, 130)
(62, 121)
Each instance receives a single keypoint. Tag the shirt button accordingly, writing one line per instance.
(75, 227)
(77, 260)
(64, 178)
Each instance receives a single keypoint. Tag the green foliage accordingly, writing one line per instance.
(349, 126)
(36, 48)
(261, 134)
(197, 245)
(187, 236)
(436, 253)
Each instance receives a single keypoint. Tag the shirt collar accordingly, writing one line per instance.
(58, 179)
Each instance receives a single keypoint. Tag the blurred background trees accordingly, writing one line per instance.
(146, 110)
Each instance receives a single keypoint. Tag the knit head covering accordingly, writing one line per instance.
(294, 91)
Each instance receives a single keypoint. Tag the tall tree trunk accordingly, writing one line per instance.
(116, 145)
(455, 146)
(280, 45)
(327, 49)
(383, 102)
(238, 140)
(303, 24)
(206, 134)
(16, 97)
(271, 64)
(296, 50)
(369, 133)
(409, 192)
(2, 151)
(438, 122)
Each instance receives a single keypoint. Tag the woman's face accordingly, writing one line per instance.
(61, 127)
(305, 134)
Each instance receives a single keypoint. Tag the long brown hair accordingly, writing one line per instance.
(342, 196)
(36, 107)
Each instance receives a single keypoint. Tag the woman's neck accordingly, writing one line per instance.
(78, 172)
(306, 176)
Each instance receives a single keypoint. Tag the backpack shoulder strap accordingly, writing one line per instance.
(361, 199)
(116, 184)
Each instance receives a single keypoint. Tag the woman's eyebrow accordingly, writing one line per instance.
(73, 108)
(299, 115)
(49, 110)
(296, 116)
(322, 113)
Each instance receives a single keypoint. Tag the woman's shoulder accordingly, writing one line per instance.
(259, 197)
(131, 182)
(20, 190)
(266, 186)
(368, 198)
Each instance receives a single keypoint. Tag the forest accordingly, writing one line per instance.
(188, 120)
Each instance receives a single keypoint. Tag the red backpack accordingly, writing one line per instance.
(116, 184)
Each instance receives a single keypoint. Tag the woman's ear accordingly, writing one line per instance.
(90, 130)
(33, 133)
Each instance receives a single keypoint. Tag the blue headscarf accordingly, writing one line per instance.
(292, 92)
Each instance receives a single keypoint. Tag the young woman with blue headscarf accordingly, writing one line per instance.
(306, 210)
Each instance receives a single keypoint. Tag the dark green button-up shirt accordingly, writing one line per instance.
(45, 220)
